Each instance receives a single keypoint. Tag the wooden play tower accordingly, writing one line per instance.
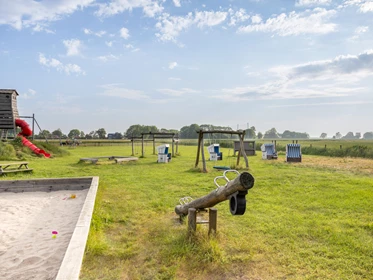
(8, 111)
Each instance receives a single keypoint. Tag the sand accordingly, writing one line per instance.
(27, 249)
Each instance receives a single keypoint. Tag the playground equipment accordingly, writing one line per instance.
(155, 135)
(293, 153)
(268, 151)
(26, 131)
(200, 147)
(163, 154)
(9, 120)
(8, 111)
(249, 147)
(214, 152)
(235, 190)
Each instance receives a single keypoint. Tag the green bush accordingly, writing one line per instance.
(7, 151)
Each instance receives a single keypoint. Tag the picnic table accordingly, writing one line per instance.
(117, 159)
(10, 167)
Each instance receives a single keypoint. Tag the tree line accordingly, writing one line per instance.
(190, 132)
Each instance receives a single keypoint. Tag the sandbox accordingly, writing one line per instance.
(44, 227)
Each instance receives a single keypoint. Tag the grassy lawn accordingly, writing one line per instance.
(311, 220)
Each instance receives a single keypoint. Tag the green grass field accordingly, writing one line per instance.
(310, 220)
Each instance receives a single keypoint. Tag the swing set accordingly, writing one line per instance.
(200, 147)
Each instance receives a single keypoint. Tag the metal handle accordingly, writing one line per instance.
(230, 170)
(221, 177)
(185, 200)
(225, 177)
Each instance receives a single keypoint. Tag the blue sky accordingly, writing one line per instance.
(301, 65)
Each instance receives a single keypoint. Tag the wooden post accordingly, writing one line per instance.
(213, 214)
(340, 147)
(325, 146)
(142, 145)
(296, 141)
(133, 150)
(177, 145)
(192, 221)
(310, 145)
(198, 149)
(203, 155)
(173, 145)
(242, 151)
(153, 145)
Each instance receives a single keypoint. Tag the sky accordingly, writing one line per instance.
(298, 65)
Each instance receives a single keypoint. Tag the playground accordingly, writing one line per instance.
(303, 220)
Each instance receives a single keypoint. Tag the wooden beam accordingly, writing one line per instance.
(242, 182)
(198, 149)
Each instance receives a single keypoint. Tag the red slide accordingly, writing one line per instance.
(26, 131)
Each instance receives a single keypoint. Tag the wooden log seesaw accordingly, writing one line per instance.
(235, 190)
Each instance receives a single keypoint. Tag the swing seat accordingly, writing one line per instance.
(222, 167)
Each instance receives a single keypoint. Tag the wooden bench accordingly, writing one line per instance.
(11, 167)
(117, 159)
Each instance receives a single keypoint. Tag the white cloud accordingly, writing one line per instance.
(172, 65)
(359, 31)
(41, 27)
(170, 26)
(73, 46)
(90, 32)
(26, 13)
(59, 66)
(150, 8)
(109, 44)
(237, 16)
(209, 18)
(256, 19)
(343, 67)
(29, 94)
(308, 22)
(174, 79)
(328, 78)
(177, 92)
(301, 3)
(177, 3)
(115, 90)
(124, 33)
(365, 6)
(105, 58)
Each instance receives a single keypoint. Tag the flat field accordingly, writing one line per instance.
(309, 220)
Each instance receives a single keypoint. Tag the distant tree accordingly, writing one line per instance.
(271, 134)
(74, 133)
(338, 135)
(189, 132)
(137, 129)
(101, 132)
(260, 135)
(44, 134)
(323, 135)
(349, 135)
(368, 135)
(57, 133)
(250, 133)
(293, 134)
(117, 135)
(82, 134)
(358, 135)
(90, 135)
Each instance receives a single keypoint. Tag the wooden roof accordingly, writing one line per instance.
(9, 91)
